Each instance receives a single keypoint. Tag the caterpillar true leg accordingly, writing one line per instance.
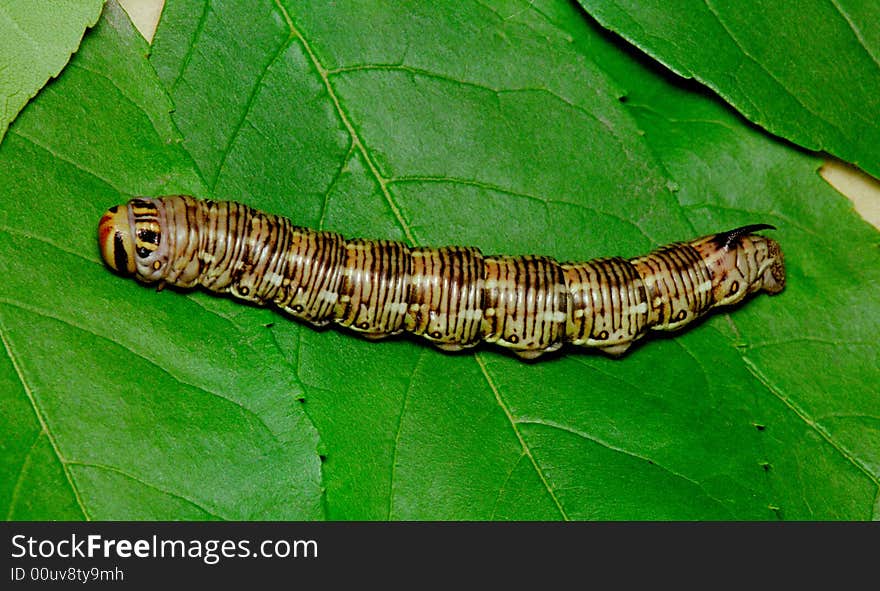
(453, 296)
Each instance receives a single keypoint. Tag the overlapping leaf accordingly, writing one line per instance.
(36, 41)
(808, 71)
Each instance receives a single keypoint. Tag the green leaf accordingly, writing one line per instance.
(36, 41)
(121, 403)
(500, 127)
(807, 71)
(493, 125)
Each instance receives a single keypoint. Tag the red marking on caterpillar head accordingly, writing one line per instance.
(115, 240)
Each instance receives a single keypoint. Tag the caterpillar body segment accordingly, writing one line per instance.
(455, 297)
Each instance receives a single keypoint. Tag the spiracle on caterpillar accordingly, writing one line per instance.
(453, 296)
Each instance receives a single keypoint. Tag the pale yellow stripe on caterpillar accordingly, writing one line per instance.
(222, 220)
(324, 295)
(499, 300)
(445, 296)
(393, 274)
(424, 290)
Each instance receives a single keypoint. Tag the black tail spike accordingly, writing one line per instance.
(727, 239)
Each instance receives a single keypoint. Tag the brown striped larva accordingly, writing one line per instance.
(455, 297)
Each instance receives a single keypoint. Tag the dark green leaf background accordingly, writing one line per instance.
(518, 127)
(808, 71)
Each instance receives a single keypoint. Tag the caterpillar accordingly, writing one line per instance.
(456, 297)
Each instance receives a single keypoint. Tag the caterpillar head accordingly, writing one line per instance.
(130, 238)
(115, 240)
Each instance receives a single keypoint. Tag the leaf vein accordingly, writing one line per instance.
(249, 105)
(506, 191)
(336, 176)
(20, 478)
(503, 486)
(513, 425)
(770, 74)
(79, 167)
(856, 32)
(123, 94)
(811, 339)
(192, 44)
(355, 137)
(398, 430)
(43, 421)
(44, 240)
(27, 36)
(69, 322)
(449, 79)
(810, 422)
(130, 476)
(609, 446)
